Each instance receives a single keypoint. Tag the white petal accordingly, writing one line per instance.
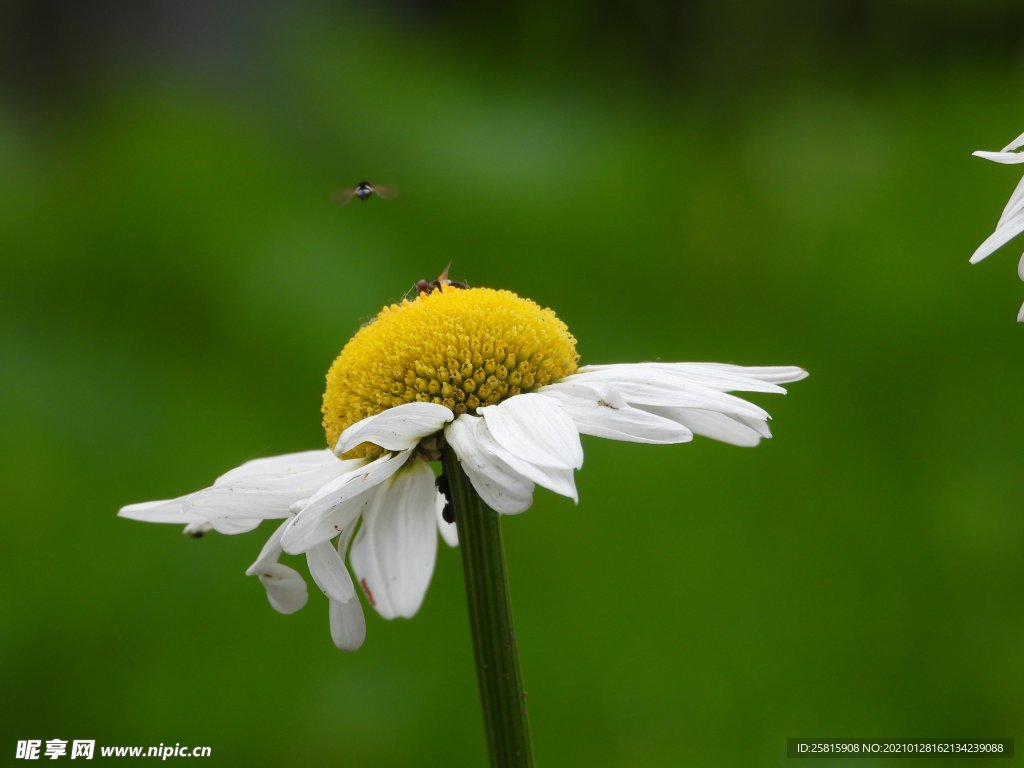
(365, 475)
(557, 479)
(286, 589)
(267, 488)
(241, 498)
(1015, 144)
(396, 428)
(345, 540)
(232, 525)
(694, 395)
(1014, 204)
(535, 428)
(336, 505)
(329, 572)
(742, 378)
(173, 511)
(1006, 158)
(1020, 315)
(501, 488)
(394, 551)
(1004, 234)
(270, 553)
(732, 429)
(647, 385)
(225, 502)
(167, 511)
(719, 377)
(598, 409)
(448, 531)
(269, 468)
(312, 531)
(348, 625)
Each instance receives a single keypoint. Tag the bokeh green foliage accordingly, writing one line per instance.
(176, 283)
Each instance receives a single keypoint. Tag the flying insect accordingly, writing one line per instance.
(364, 190)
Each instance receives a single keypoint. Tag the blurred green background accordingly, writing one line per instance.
(714, 181)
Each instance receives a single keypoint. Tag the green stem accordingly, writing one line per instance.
(490, 621)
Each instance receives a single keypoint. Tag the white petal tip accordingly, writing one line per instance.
(1006, 158)
(285, 587)
(348, 625)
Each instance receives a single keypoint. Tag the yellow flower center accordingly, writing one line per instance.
(462, 348)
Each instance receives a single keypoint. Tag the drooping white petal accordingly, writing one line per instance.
(501, 488)
(1015, 144)
(348, 624)
(448, 531)
(557, 479)
(329, 572)
(271, 551)
(393, 554)
(1014, 204)
(396, 429)
(314, 530)
(286, 589)
(1012, 227)
(1006, 158)
(535, 428)
(337, 504)
(598, 409)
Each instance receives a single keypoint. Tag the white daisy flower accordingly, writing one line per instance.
(1011, 222)
(486, 374)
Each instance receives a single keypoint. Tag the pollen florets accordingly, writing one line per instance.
(461, 348)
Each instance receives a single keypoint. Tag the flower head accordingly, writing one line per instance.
(1011, 222)
(462, 349)
(486, 374)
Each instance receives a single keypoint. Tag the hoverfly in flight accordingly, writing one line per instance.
(364, 190)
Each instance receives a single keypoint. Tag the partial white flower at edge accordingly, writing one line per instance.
(389, 507)
(1011, 222)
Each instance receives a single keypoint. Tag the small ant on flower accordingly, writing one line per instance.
(439, 283)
